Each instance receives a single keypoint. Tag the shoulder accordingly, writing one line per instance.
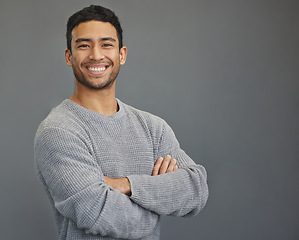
(61, 119)
(153, 123)
(161, 133)
(143, 116)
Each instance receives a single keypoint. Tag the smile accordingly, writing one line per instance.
(96, 69)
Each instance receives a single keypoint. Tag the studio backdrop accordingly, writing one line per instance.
(223, 74)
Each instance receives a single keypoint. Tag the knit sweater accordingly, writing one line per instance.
(76, 147)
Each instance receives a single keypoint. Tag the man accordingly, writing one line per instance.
(109, 169)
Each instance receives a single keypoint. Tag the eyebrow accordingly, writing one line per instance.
(82, 40)
(108, 39)
(89, 40)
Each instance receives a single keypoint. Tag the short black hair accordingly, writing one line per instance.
(91, 13)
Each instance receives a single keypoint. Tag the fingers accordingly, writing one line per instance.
(165, 165)
(157, 166)
(171, 166)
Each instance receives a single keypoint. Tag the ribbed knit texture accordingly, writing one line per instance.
(76, 147)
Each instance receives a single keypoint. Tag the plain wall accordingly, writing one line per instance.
(223, 74)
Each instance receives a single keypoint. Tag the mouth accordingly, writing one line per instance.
(97, 69)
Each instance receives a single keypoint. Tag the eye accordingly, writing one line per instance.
(83, 46)
(107, 45)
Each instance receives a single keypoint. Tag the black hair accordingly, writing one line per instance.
(97, 13)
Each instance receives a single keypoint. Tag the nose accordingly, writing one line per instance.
(96, 53)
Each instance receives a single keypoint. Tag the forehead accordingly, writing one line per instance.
(94, 29)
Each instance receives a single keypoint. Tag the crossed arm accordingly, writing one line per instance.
(162, 165)
(73, 178)
(78, 190)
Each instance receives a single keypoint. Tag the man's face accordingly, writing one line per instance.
(95, 56)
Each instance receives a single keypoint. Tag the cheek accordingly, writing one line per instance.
(80, 58)
(112, 55)
(76, 62)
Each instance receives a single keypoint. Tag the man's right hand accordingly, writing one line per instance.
(121, 184)
(164, 165)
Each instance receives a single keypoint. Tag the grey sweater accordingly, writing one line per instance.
(76, 147)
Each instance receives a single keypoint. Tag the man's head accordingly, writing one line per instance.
(93, 13)
(95, 50)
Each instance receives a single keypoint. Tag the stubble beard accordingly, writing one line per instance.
(83, 80)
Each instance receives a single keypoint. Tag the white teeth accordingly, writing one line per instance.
(97, 69)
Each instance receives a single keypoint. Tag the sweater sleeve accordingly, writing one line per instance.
(77, 186)
(183, 192)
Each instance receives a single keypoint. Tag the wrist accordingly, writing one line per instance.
(126, 186)
(121, 184)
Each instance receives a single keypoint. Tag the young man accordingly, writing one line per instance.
(109, 169)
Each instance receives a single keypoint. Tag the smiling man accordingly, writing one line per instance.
(95, 56)
(110, 170)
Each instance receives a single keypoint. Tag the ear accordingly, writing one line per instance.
(123, 55)
(68, 57)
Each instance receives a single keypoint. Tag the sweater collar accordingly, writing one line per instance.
(87, 113)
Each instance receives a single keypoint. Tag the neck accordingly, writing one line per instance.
(102, 101)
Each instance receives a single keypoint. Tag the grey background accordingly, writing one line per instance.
(223, 74)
